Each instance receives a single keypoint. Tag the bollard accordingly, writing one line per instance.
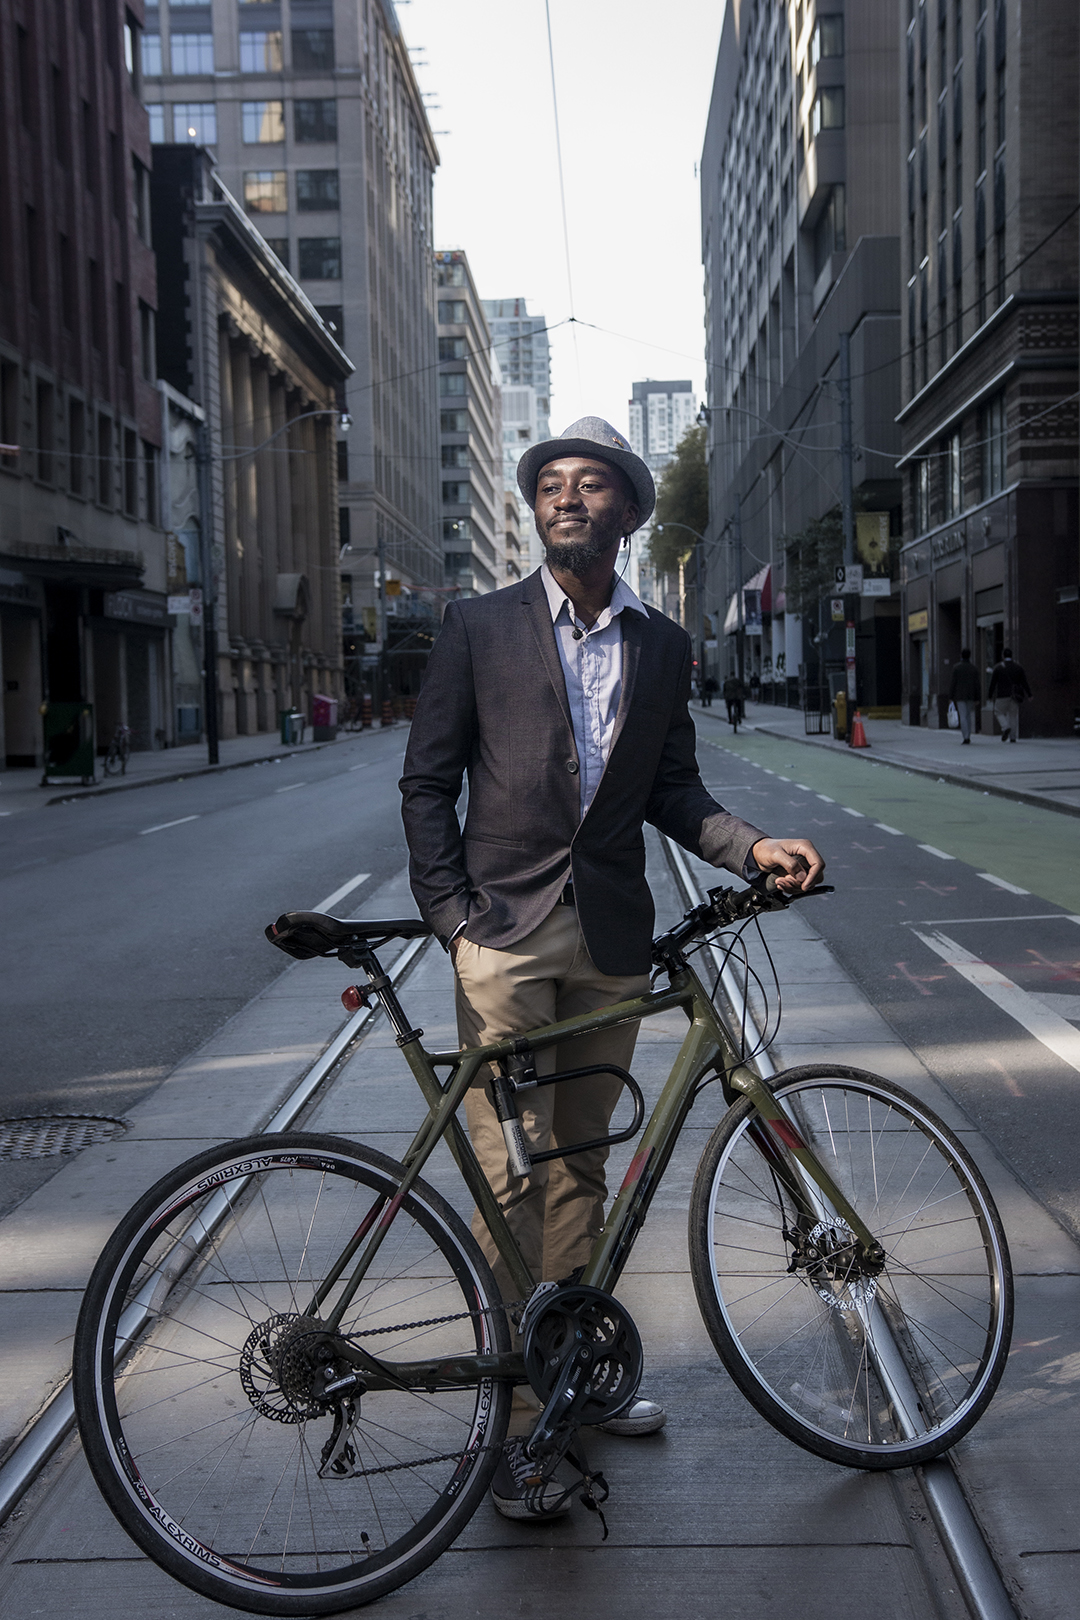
(365, 713)
(858, 734)
(387, 712)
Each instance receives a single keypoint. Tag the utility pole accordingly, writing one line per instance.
(698, 549)
(380, 548)
(740, 637)
(847, 504)
(206, 568)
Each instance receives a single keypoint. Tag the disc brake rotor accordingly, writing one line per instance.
(581, 1324)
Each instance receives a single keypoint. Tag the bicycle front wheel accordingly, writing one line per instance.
(874, 1366)
(193, 1378)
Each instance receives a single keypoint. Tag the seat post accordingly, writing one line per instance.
(364, 957)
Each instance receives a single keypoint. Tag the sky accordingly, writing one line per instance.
(633, 81)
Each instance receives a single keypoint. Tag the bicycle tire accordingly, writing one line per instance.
(112, 760)
(183, 1404)
(870, 1371)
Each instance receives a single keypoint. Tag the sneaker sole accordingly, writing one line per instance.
(512, 1509)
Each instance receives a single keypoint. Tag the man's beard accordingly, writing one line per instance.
(578, 556)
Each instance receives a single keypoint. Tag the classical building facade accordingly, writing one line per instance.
(989, 375)
(470, 434)
(239, 339)
(313, 115)
(800, 242)
(82, 554)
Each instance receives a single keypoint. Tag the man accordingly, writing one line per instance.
(564, 700)
(1007, 690)
(735, 698)
(965, 692)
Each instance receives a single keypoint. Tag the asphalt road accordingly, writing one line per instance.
(134, 921)
(919, 869)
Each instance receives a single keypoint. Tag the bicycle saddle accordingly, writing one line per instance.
(305, 934)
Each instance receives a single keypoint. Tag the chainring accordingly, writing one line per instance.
(575, 1321)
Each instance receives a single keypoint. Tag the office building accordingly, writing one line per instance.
(988, 415)
(800, 241)
(660, 413)
(470, 449)
(313, 115)
(520, 343)
(83, 623)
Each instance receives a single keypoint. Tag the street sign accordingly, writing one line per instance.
(876, 587)
(837, 610)
(850, 578)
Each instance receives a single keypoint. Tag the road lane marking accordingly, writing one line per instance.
(884, 827)
(858, 813)
(826, 798)
(365, 766)
(802, 787)
(339, 894)
(1055, 1033)
(161, 826)
(783, 778)
(988, 877)
(289, 787)
(1031, 916)
(940, 853)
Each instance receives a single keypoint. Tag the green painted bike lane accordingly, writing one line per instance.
(1034, 849)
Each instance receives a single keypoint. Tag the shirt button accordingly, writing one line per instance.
(572, 766)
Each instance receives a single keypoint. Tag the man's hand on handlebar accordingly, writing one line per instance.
(794, 861)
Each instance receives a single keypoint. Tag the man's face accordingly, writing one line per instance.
(583, 508)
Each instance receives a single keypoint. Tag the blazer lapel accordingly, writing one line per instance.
(538, 614)
(633, 629)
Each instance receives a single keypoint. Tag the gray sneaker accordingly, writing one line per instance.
(518, 1493)
(640, 1417)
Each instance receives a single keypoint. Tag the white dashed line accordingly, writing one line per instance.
(289, 787)
(858, 813)
(1000, 883)
(826, 799)
(802, 787)
(883, 826)
(940, 853)
(362, 767)
(339, 894)
(161, 826)
(783, 778)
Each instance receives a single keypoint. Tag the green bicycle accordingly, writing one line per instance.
(293, 1371)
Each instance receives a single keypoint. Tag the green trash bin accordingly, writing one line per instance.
(292, 727)
(69, 741)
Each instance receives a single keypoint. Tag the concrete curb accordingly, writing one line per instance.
(201, 770)
(1016, 794)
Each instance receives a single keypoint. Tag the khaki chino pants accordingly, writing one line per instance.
(557, 1212)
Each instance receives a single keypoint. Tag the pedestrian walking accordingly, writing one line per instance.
(965, 691)
(1007, 690)
(564, 701)
(709, 691)
(735, 698)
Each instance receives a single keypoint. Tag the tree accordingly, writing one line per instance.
(812, 561)
(682, 497)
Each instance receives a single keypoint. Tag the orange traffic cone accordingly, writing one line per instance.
(858, 735)
(387, 712)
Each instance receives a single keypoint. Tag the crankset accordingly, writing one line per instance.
(583, 1359)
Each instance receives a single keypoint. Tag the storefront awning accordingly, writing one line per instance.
(760, 583)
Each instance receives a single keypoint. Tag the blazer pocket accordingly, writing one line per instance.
(489, 838)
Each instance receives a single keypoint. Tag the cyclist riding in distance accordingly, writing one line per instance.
(564, 701)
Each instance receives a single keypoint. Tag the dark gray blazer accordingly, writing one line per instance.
(494, 707)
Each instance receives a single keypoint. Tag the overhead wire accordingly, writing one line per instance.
(562, 188)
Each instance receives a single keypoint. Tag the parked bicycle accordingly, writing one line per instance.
(293, 1371)
(118, 752)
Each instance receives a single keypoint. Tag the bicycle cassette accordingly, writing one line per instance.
(582, 1355)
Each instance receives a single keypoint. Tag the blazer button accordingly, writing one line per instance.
(572, 766)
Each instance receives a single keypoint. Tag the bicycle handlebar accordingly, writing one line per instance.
(722, 908)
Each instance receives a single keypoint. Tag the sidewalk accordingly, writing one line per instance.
(21, 789)
(1040, 770)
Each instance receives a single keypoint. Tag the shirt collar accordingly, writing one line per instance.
(621, 597)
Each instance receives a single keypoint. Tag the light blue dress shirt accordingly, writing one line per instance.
(592, 667)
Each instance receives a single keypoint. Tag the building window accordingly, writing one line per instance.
(146, 342)
(263, 122)
(827, 39)
(192, 53)
(46, 431)
(104, 460)
(452, 313)
(313, 50)
(76, 446)
(455, 455)
(922, 496)
(150, 484)
(266, 191)
(456, 494)
(280, 246)
(830, 232)
(456, 530)
(315, 120)
(455, 422)
(156, 113)
(195, 121)
(343, 461)
(261, 52)
(952, 482)
(317, 190)
(332, 317)
(151, 55)
(320, 258)
(450, 275)
(828, 110)
(451, 382)
(994, 445)
(452, 348)
(131, 474)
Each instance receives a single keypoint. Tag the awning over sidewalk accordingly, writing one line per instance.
(759, 586)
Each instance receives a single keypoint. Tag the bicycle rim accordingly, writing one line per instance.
(189, 1426)
(876, 1369)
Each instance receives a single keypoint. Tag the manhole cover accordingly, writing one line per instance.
(40, 1135)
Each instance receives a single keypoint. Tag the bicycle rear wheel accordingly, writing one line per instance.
(874, 1368)
(190, 1377)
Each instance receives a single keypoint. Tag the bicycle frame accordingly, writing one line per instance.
(707, 1046)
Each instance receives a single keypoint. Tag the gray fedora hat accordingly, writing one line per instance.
(589, 436)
